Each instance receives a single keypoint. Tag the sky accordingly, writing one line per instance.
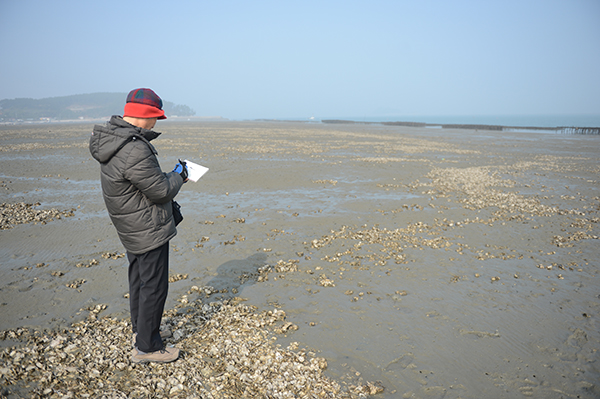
(284, 59)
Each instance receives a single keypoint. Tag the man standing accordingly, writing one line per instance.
(138, 198)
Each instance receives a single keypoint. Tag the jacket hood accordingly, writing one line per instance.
(108, 139)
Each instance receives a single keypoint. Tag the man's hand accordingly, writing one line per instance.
(181, 168)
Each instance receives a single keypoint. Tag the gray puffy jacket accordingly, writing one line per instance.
(136, 192)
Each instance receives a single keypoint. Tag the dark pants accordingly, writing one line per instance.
(148, 287)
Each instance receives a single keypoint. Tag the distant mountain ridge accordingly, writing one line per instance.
(78, 106)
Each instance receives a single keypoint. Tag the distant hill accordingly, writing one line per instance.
(79, 106)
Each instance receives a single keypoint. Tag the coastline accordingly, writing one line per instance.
(583, 126)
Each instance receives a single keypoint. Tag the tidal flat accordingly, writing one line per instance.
(314, 260)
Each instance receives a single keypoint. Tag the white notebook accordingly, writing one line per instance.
(195, 171)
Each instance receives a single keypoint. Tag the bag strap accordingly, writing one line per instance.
(123, 144)
(131, 138)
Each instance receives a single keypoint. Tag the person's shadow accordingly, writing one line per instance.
(234, 275)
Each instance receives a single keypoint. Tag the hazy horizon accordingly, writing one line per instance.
(257, 60)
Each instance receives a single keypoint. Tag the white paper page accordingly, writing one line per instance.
(195, 171)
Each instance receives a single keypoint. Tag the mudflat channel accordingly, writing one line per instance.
(435, 263)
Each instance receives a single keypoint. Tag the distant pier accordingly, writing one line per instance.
(579, 130)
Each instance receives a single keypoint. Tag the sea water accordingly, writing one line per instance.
(583, 120)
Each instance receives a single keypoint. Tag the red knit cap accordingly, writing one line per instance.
(144, 103)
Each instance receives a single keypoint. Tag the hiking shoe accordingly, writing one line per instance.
(164, 334)
(165, 355)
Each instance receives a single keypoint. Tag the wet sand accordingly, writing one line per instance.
(444, 263)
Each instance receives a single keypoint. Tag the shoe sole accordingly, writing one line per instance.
(134, 352)
(144, 361)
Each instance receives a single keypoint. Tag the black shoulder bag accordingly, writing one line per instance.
(177, 216)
